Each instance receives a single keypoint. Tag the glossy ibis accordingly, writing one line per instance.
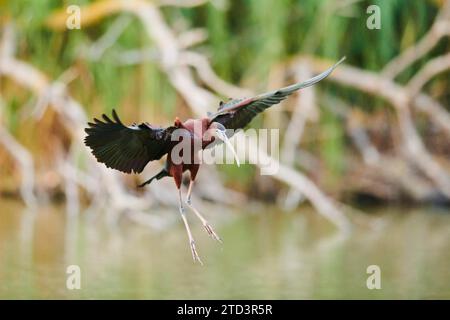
(130, 148)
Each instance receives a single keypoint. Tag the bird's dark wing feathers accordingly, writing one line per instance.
(237, 113)
(126, 148)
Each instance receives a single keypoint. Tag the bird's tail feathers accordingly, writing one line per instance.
(163, 173)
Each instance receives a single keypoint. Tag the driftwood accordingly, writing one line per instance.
(400, 99)
(439, 29)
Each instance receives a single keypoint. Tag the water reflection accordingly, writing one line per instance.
(271, 255)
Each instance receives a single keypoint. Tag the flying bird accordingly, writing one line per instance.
(130, 148)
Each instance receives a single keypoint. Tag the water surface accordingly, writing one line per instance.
(270, 255)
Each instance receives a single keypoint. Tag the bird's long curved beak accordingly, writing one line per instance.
(222, 136)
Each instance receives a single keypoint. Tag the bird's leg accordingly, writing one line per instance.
(195, 255)
(189, 193)
(205, 223)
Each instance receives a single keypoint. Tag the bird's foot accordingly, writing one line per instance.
(211, 232)
(195, 255)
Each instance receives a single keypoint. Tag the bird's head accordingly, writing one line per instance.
(217, 130)
(177, 123)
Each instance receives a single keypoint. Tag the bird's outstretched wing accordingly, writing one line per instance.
(237, 113)
(126, 148)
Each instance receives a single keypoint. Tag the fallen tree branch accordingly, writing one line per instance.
(399, 98)
(439, 29)
(304, 107)
(204, 70)
(25, 163)
(429, 71)
(20, 154)
(323, 204)
(378, 166)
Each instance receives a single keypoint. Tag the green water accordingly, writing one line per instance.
(271, 255)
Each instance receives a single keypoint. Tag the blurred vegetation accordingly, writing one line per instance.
(246, 41)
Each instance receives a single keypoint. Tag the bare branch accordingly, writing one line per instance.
(303, 109)
(209, 77)
(192, 37)
(399, 98)
(439, 29)
(26, 165)
(430, 70)
(98, 48)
